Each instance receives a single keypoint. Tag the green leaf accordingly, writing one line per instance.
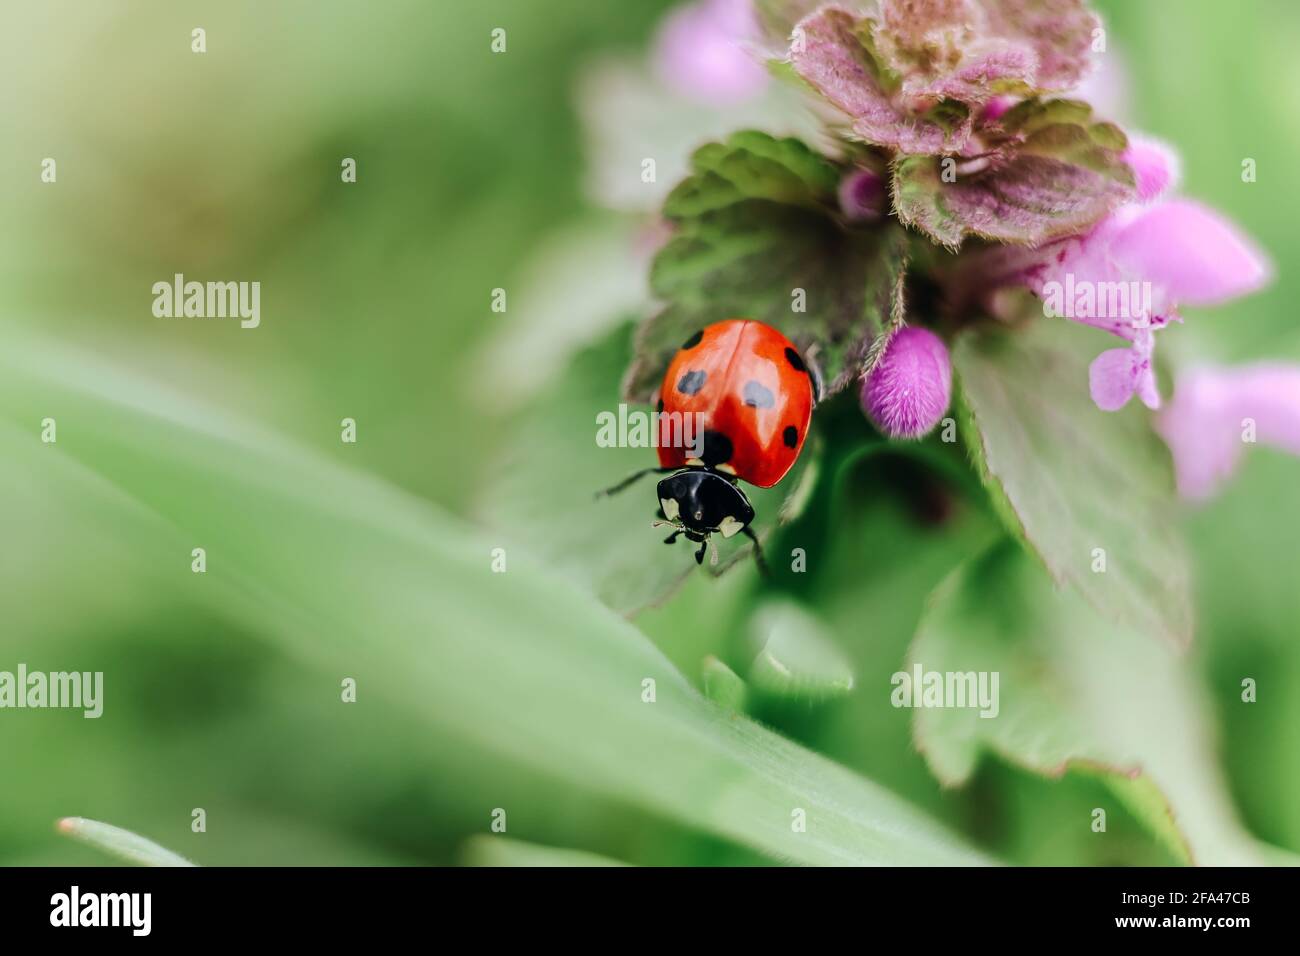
(351, 576)
(1148, 804)
(543, 493)
(120, 843)
(502, 851)
(796, 656)
(755, 221)
(1091, 492)
(723, 686)
(752, 165)
(1059, 174)
(1074, 692)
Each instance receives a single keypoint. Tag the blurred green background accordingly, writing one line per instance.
(328, 560)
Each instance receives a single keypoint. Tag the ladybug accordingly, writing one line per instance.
(734, 406)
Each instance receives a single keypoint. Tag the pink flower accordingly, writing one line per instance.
(1129, 274)
(1216, 412)
(907, 392)
(1116, 375)
(700, 52)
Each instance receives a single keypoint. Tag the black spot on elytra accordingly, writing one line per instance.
(795, 361)
(790, 436)
(691, 382)
(757, 396)
(717, 448)
(693, 341)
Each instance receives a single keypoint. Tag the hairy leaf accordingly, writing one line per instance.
(829, 53)
(753, 165)
(1073, 692)
(1061, 33)
(1091, 492)
(973, 50)
(1056, 174)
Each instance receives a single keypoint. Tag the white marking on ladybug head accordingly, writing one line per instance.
(727, 468)
(694, 462)
(729, 526)
(671, 508)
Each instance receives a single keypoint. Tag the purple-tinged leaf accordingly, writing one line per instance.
(1056, 174)
(829, 54)
(973, 51)
(1061, 33)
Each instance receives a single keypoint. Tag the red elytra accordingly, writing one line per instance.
(753, 395)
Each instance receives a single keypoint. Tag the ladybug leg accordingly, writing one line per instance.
(699, 555)
(632, 479)
(672, 537)
(758, 552)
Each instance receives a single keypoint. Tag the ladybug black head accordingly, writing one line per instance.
(700, 502)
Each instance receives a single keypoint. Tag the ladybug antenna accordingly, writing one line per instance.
(631, 480)
(758, 552)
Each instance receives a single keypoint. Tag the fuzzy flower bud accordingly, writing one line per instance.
(1155, 167)
(862, 196)
(907, 392)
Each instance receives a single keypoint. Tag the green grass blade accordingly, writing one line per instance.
(120, 843)
(354, 578)
(503, 851)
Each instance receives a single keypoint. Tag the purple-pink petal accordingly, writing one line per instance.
(1214, 414)
(908, 391)
(1195, 255)
(1168, 254)
(1116, 375)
